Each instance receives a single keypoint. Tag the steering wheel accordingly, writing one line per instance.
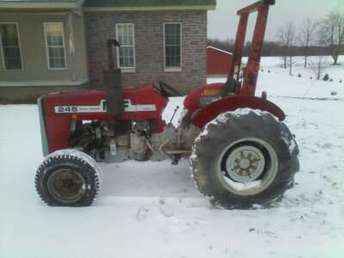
(167, 90)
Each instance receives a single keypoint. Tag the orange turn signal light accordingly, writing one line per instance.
(211, 92)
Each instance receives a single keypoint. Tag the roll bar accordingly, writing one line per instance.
(248, 87)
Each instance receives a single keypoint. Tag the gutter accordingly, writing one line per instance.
(80, 5)
(151, 8)
(51, 5)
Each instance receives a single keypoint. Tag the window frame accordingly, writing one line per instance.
(47, 47)
(177, 68)
(19, 46)
(126, 69)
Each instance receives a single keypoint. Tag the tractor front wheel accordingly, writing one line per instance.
(243, 158)
(68, 178)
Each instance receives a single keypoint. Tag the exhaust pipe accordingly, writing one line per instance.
(113, 82)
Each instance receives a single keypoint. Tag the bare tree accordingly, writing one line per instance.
(287, 36)
(291, 63)
(316, 65)
(307, 37)
(332, 34)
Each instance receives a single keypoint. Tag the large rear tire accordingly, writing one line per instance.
(68, 178)
(243, 158)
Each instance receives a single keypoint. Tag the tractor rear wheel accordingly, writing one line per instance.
(243, 158)
(68, 178)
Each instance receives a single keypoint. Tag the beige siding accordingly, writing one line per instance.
(33, 48)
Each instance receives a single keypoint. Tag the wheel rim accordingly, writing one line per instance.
(248, 166)
(66, 185)
(245, 164)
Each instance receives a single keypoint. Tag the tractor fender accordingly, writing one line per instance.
(203, 116)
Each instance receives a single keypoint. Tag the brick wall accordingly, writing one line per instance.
(100, 26)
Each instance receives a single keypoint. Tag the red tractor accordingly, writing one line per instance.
(241, 153)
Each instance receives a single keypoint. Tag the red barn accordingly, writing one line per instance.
(218, 61)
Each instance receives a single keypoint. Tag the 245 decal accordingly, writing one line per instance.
(102, 108)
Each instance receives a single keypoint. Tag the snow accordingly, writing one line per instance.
(245, 111)
(278, 83)
(152, 209)
(292, 144)
(80, 155)
(220, 50)
(241, 186)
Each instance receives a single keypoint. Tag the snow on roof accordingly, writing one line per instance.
(220, 50)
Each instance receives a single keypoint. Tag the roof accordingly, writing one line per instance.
(39, 1)
(151, 4)
(219, 50)
(109, 5)
(148, 5)
(31, 4)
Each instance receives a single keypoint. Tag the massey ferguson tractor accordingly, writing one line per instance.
(241, 153)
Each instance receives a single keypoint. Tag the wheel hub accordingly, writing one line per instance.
(245, 164)
(66, 185)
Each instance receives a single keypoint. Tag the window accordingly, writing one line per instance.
(55, 45)
(126, 52)
(10, 50)
(173, 46)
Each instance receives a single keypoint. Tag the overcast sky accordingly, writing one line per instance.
(223, 21)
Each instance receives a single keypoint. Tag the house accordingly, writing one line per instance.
(50, 45)
(218, 61)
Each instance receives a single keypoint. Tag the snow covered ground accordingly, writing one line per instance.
(152, 209)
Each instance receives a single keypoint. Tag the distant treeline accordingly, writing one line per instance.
(273, 48)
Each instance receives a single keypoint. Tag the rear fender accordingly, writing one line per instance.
(203, 116)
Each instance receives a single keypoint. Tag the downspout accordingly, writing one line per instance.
(76, 13)
(71, 44)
